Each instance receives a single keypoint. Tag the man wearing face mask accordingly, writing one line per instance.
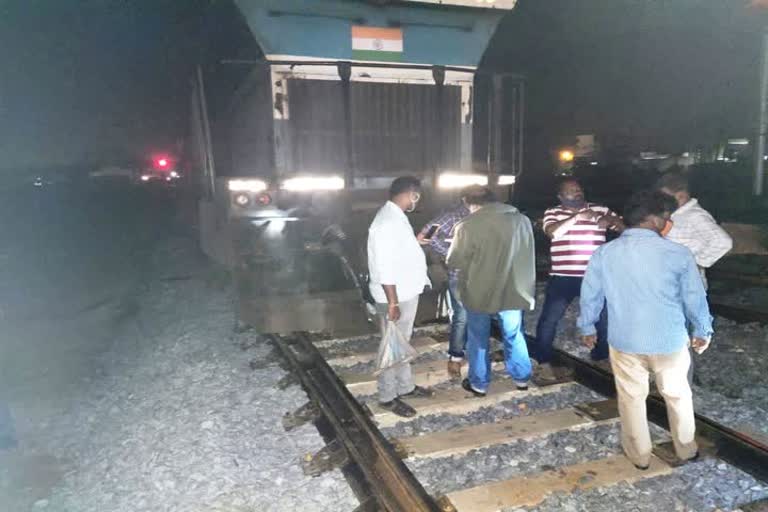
(397, 267)
(577, 228)
(693, 226)
(653, 290)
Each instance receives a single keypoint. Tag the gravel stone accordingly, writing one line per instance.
(333, 348)
(523, 406)
(370, 366)
(731, 378)
(703, 486)
(178, 421)
(500, 462)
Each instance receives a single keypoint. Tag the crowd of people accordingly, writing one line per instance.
(643, 303)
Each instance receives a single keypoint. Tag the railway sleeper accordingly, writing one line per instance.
(309, 412)
(463, 440)
(330, 457)
(531, 490)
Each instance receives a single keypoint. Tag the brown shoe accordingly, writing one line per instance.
(454, 369)
(545, 373)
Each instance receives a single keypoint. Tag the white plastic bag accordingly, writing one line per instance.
(394, 349)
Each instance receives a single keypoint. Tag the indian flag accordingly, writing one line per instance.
(377, 43)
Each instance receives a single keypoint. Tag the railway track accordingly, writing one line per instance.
(738, 313)
(394, 464)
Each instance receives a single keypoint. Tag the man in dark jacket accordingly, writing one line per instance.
(493, 249)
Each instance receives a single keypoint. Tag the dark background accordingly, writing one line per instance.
(96, 80)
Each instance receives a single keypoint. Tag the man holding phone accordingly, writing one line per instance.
(437, 234)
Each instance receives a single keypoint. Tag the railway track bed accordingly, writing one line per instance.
(553, 447)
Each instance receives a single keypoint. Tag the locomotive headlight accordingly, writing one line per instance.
(450, 180)
(242, 199)
(309, 183)
(247, 185)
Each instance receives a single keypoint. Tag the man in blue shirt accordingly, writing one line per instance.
(653, 289)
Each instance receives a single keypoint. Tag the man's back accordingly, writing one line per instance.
(652, 287)
(493, 248)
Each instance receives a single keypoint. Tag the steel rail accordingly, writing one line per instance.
(738, 313)
(736, 448)
(393, 485)
(724, 275)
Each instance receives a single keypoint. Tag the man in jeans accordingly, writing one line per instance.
(493, 250)
(653, 289)
(398, 274)
(440, 242)
(577, 228)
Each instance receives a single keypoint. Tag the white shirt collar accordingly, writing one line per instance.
(394, 208)
(692, 202)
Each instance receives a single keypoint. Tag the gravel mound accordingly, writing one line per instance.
(179, 421)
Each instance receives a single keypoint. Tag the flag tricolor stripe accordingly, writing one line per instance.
(374, 55)
(391, 34)
(377, 43)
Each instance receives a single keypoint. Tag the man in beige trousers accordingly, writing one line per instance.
(653, 289)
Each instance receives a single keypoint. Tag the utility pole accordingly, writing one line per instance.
(757, 188)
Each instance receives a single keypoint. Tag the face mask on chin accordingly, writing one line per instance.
(414, 201)
(573, 203)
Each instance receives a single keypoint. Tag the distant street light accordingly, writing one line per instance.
(762, 124)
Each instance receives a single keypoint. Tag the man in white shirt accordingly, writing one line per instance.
(693, 226)
(398, 274)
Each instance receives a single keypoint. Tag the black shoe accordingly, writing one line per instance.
(420, 392)
(399, 408)
(521, 387)
(468, 387)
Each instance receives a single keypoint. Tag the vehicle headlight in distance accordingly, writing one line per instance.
(241, 199)
(452, 180)
(247, 185)
(308, 183)
(144, 178)
(506, 179)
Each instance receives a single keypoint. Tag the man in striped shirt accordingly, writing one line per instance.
(577, 228)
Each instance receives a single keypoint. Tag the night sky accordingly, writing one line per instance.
(86, 81)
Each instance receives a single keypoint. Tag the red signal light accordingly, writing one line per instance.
(162, 162)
